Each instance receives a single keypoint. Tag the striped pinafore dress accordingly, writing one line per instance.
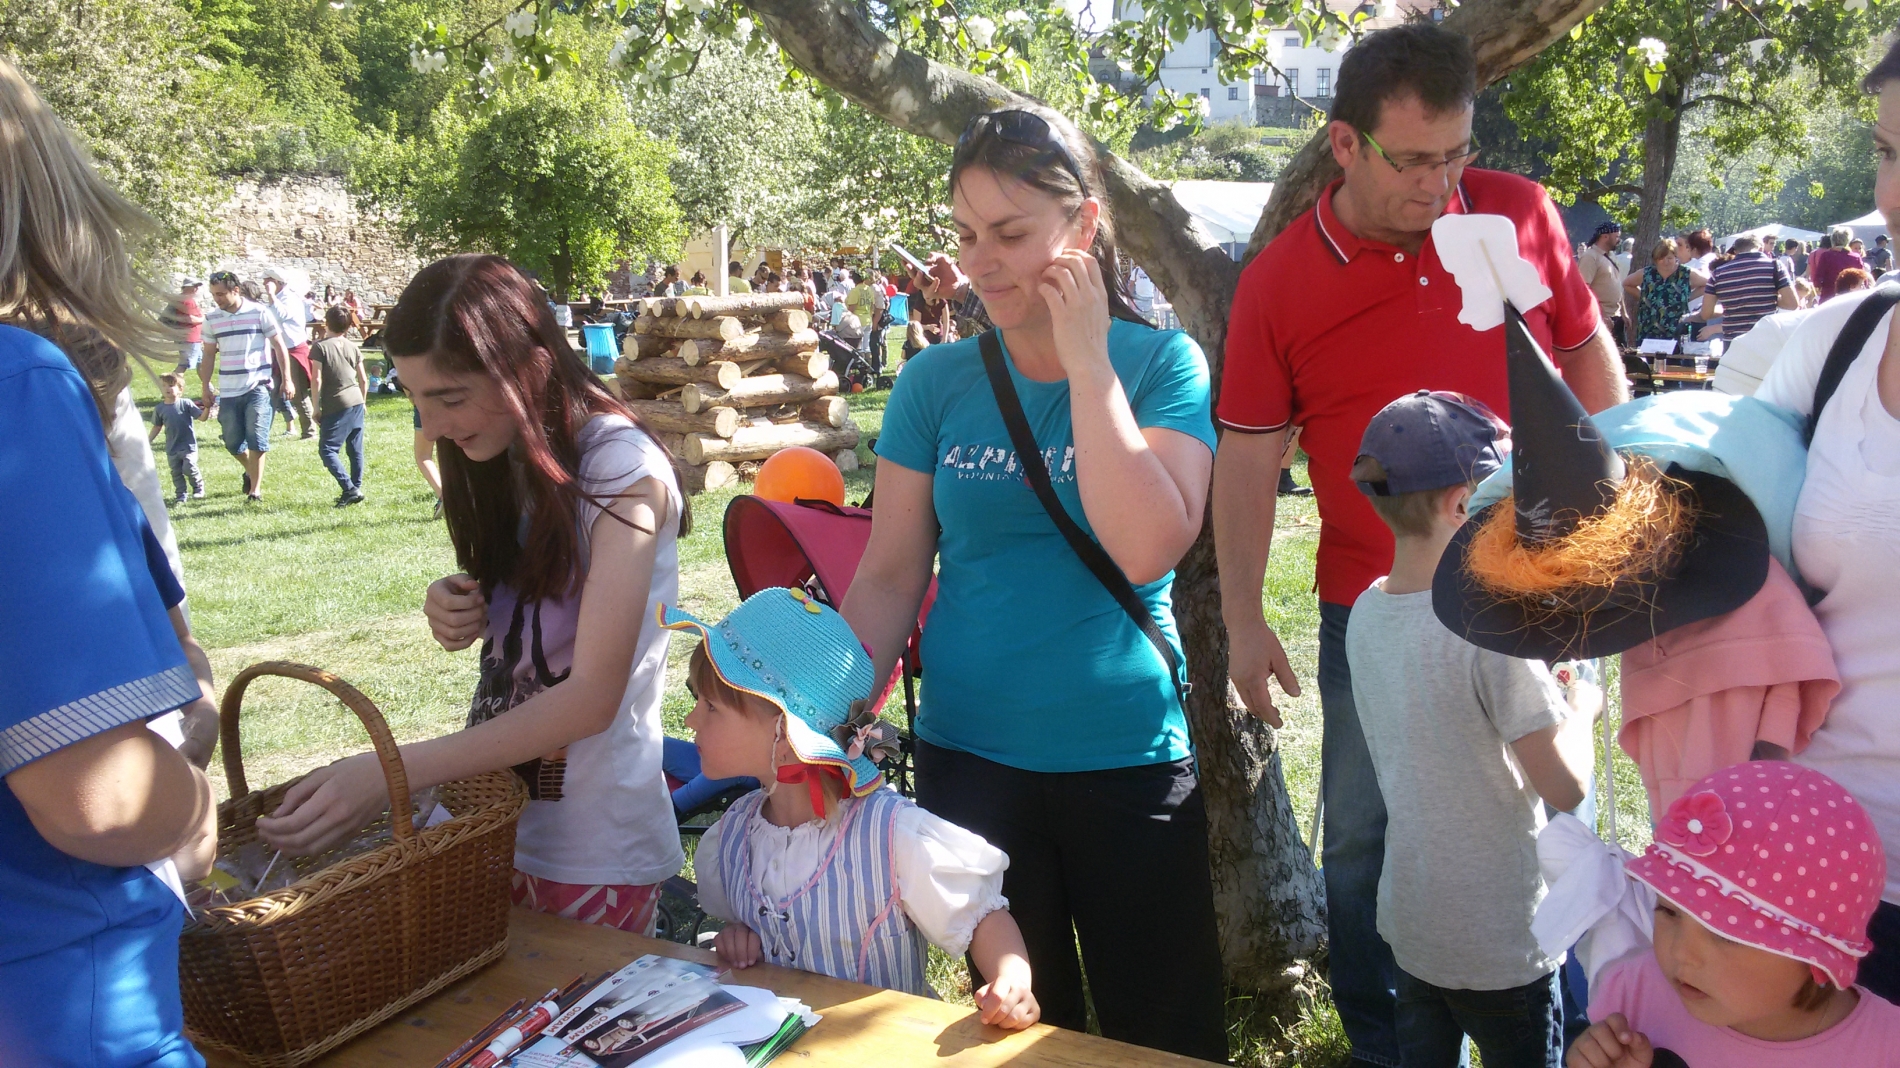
(845, 921)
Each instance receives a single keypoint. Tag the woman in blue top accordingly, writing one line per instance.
(89, 796)
(1049, 723)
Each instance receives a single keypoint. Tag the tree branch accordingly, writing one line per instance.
(835, 43)
(1505, 34)
(1717, 98)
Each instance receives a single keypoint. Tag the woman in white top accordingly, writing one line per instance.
(564, 512)
(1847, 542)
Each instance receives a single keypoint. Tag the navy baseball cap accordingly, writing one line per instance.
(1431, 440)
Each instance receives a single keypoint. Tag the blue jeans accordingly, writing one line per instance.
(189, 355)
(246, 420)
(1363, 976)
(343, 430)
(1880, 970)
(1515, 1028)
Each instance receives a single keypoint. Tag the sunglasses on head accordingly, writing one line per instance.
(1024, 128)
(224, 278)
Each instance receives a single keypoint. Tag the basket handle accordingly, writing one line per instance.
(365, 709)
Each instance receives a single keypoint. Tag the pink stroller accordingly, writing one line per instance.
(816, 545)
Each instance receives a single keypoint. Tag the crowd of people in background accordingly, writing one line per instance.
(259, 351)
(1688, 289)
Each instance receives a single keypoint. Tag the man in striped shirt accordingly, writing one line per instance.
(246, 346)
(1748, 286)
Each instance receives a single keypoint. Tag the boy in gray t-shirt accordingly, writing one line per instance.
(1467, 744)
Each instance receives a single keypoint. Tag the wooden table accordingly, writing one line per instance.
(862, 1026)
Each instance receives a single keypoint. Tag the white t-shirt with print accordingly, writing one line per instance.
(1847, 543)
(613, 823)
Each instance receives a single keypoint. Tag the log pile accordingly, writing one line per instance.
(728, 381)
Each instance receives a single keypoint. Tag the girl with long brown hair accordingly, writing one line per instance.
(564, 513)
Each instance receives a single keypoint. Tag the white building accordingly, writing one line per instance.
(1308, 71)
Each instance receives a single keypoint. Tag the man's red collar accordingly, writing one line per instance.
(1343, 243)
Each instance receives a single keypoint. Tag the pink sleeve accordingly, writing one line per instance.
(1781, 717)
(1615, 987)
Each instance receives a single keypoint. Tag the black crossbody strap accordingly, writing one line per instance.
(1846, 348)
(1094, 557)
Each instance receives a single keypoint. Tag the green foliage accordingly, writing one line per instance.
(1744, 74)
(553, 174)
(1226, 151)
(1828, 179)
(747, 148)
(122, 76)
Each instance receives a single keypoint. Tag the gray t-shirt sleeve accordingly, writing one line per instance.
(1519, 697)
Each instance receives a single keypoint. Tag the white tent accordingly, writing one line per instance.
(1772, 233)
(1228, 211)
(1867, 227)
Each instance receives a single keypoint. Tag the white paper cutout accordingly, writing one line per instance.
(1481, 253)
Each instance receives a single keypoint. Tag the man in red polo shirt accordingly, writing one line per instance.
(1347, 310)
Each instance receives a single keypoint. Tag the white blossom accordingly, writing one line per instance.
(1202, 106)
(699, 7)
(1016, 18)
(506, 53)
(1759, 47)
(1855, 5)
(743, 28)
(424, 61)
(1652, 52)
(949, 24)
(1384, 9)
(1331, 36)
(520, 24)
(983, 32)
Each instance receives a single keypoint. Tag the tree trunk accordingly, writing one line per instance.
(761, 391)
(1267, 892)
(759, 442)
(669, 416)
(670, 371)
(743, 305)
(1659, 165)
(639, 346)
(748, 346)
(720, 327)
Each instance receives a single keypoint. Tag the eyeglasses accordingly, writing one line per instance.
(1453, 161)
(1024, 128)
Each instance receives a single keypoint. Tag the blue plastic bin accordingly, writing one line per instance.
(600, 346)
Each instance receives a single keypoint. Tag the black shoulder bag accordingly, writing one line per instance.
(1846, 348)
(1094, 557)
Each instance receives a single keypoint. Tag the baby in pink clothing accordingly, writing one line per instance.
(1766, 874)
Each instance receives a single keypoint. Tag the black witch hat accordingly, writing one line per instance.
(1563, 473)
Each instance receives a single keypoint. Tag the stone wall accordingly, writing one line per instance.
(312, 223)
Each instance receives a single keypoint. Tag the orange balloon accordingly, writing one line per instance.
(800, 473)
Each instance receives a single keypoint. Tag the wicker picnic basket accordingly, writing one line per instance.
(282, 978)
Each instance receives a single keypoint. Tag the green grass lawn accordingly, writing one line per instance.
(296, 579)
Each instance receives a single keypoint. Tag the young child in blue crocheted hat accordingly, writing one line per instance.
(826, 868)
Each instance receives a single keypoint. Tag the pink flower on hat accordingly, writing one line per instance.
(1696, 824)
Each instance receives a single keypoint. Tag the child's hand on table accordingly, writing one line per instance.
(737, 945)
(1006, 1001)
(1611, 1044)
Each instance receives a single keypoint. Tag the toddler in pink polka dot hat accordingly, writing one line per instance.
(1765, 877)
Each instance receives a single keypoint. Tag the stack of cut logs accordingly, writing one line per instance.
(728, 381)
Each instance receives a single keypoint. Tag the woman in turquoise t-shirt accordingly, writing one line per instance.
(1049, 724)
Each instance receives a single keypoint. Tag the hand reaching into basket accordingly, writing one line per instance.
(457, 611)
(321, 810)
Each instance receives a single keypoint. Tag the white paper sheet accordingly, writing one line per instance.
(1481, 253)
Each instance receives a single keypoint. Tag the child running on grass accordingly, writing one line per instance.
(174, 416)
(1467, 745)
(826, 869)
(1764, 876)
